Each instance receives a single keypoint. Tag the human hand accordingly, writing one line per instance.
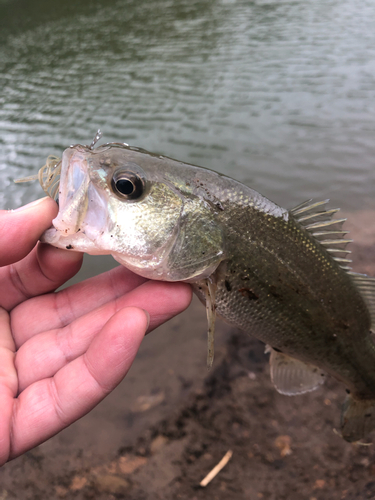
(62, 352)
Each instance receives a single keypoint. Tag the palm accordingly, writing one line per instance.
(61, 353)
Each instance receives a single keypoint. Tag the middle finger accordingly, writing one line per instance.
(56, 310)
(44, 354)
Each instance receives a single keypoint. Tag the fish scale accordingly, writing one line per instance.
(277, 300)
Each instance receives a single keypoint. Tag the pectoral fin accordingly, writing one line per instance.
(199, 245)
(291, 376)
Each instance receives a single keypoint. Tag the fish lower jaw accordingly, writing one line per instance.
(77, 242)
(65, 228)
(51, 236)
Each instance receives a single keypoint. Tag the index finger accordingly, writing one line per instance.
(30, 269)
(43, 270)
(20, 229)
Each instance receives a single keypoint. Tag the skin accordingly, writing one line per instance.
(62, 352)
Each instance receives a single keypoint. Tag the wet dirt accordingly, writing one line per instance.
(170, 423)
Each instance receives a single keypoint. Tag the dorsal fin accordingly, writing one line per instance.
(366, 286)
(316, 219)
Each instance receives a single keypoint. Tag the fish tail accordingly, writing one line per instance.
(357, 418)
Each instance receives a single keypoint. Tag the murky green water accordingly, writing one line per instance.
(278, 94)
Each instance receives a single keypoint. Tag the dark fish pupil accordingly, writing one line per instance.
(124, 186)
(127, 185)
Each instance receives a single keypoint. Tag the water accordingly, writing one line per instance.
(278, 94)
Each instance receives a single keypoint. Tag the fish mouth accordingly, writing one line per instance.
(82, 209)
(73, 192)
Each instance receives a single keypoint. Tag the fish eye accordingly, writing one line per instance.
(127, 185)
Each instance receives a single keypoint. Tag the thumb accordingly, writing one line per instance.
(20, 229)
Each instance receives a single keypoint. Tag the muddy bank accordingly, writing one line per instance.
(169, 423)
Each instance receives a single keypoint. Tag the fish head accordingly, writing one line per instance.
(139, 207)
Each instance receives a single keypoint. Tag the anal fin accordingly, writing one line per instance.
(291, 376)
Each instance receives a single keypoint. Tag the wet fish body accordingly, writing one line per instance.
(279, 275)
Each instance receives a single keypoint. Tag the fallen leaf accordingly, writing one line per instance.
(78, 482)
(60, 491)
(108, 483)
(319, 484)
(283, 444)
(158, 443)
(128, 465)
(144, 403)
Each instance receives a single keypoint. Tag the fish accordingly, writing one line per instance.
(279, 275)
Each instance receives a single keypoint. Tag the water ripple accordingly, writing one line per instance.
(278, 94)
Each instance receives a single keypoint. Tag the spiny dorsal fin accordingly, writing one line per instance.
(308, 205)
(314, 215)
(366, 286)
(316, 219)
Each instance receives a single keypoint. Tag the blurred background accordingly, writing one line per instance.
(277, 94)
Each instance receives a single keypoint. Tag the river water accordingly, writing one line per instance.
(278, 94)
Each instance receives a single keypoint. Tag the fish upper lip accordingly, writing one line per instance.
(73, 194)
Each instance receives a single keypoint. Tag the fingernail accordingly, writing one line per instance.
(30, 205)
(148, 317)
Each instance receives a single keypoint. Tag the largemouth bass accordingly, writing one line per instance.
(279, 275)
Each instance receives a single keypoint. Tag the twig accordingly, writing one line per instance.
(215, 471)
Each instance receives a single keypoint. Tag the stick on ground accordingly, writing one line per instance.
(215, 471)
